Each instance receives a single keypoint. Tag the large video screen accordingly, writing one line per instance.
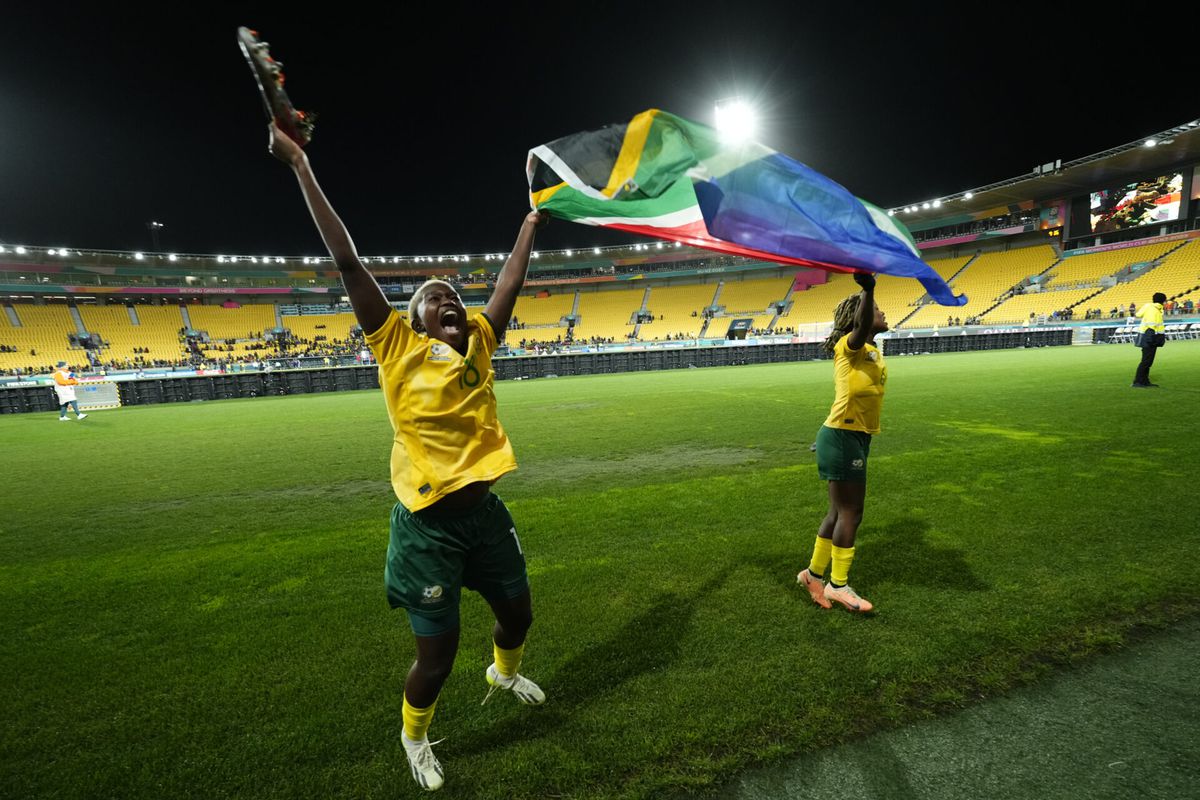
(1141, 203)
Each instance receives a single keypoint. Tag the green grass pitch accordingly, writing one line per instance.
(193, 603)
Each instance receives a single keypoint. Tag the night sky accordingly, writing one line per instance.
(109, 120)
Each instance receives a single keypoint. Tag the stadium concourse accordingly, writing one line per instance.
(1030, 252)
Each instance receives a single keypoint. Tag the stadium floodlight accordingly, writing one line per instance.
(569, 252)
(395, 259)
(925, 205)
(659, 246)
(536, 254)
(220, 259)
(142, 257)
(937, 203)
(51, 252)
(233, 259)
(278, 260)
(968, 195)
(2, 250)
(20, 250)
(891, 213)
(253, 259)
(440, 259)
(1150, 142)
(736, 120)
(596, 250)
(172, 257)
(679, 244)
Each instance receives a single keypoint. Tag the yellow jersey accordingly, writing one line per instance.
(442, 409)
(1151, 316)
(859, 377)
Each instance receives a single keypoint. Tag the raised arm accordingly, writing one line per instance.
(370, 305)
(864, 320)
(512, 276)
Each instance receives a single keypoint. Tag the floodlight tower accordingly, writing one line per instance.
(154, 228)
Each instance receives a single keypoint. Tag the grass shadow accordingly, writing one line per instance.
(900, 551)
(649, 641)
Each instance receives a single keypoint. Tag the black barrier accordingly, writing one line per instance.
(342, 379)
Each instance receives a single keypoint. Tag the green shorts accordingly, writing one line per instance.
(433, 554)
(842, 454)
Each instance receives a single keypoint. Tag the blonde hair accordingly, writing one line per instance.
(843, 320)
(418, 300)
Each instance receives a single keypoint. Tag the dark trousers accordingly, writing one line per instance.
(1143, 371)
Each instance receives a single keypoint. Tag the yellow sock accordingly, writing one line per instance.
(508, 661)
(820, 556)
(416, 720)
(842, 556)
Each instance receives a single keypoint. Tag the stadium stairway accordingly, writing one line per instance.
(575, 306)
(1158, 262)
(1052, 266)
(11, 313)
(80, 328)
(133, 315)
(1005, 296)
(187, 318)
(925, 299)
(637, 328)
(1089, 297)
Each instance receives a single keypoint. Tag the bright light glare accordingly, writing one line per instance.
(736, 120)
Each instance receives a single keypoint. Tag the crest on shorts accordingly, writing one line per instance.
(857, 463)
(431, 594)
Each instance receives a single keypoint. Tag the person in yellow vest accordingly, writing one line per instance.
(844, 442)
(64, 386)
(1152, 336)
(448, 529)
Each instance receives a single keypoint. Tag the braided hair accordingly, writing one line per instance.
(843, 320)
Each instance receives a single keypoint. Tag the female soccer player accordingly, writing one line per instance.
(448, 530)
(844, 442)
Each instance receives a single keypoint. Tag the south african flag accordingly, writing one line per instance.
(670, 178)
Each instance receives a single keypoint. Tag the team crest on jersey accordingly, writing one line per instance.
(431, 594)
(872, 356)
(439, 352)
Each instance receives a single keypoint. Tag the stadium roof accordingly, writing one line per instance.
(1108, 168)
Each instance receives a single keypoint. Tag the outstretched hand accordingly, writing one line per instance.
(284, 148)
(865, 279)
